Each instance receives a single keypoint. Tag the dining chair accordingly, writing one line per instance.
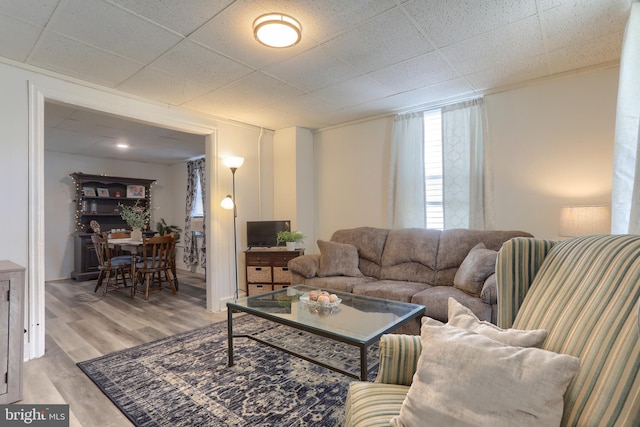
(155, 261)
(110, 267)
(116, 250)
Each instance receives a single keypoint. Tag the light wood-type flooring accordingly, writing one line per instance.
(82, 325)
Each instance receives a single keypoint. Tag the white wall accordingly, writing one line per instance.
(352, 176)
(551, 144)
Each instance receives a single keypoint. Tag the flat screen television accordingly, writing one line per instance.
(262, 234)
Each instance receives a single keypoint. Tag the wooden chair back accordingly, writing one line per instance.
(157, 252)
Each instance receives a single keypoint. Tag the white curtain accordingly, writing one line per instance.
(467, 196)
(625, 197)
(407, 188)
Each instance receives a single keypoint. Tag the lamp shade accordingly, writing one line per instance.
(227, 202)
(277, 30)
(583, 220)
(233, 162)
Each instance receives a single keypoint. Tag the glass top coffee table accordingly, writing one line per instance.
(357, 320)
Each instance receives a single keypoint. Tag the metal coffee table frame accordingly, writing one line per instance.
(374, 312)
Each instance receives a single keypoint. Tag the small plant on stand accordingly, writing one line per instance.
(163, 228)
(291, 238)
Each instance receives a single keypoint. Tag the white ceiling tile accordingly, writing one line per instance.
(502, 46)
(36, 12)
(160, 86)
(24, 35)
(598, 51)
(354, 91)
(68, 56)
(576, 21)
(425, 70)
(312, 70)
(509, 73)
(111, 28)
(448, 22)
(254, 91)
(451, 89)
(200, 65)
(387, 39)
(231, 34)
(183, 16)
(322, 20)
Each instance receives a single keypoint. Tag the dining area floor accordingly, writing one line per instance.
(82, 324)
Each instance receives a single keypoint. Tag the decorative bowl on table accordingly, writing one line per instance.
(320, 302)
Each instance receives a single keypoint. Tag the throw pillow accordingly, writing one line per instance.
(479, 264)
(338, 259)
(462, 317)
(467, 379)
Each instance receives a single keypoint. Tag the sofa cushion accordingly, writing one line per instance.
(410, 255)
(370, 243)
(389, 289)
(455, 244)
(436, 302)
(338, 259)
(461, 317)
(479, 264)
(338, 283)
(494, 383)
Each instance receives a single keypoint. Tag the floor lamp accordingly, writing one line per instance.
(229, 203)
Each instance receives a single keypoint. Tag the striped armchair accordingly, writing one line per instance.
(584, 292)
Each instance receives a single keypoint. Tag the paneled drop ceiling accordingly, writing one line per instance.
(357, 58)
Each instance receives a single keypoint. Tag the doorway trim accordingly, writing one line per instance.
(110, 103)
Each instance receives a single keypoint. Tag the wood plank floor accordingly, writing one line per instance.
(81, 325)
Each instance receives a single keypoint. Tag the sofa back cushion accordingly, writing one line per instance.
(585, 295)
(369, 241)
(455, 245)
(410, 255)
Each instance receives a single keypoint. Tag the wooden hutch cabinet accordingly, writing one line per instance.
(267, 269)
(98, 198)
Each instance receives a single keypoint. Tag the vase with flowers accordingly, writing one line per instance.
(136, 217)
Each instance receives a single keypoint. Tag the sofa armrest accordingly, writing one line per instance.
(398, 358)
(305, 265)
(518, 262)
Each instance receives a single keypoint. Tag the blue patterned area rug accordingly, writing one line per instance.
(184, 380)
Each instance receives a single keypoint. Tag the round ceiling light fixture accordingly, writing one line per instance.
(277, 30)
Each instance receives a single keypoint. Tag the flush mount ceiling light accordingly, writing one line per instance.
(277, 30)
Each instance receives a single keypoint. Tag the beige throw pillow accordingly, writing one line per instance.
(479, 264)
(467, 379)
(338, 259)
(462, 317)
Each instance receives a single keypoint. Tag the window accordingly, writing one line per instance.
(433, 169)
(198, 210)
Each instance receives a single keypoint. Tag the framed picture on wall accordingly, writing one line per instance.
(88, 191)
(135, 191)
(103, 192)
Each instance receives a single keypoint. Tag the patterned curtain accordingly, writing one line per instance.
(195, 171)
(466, 189)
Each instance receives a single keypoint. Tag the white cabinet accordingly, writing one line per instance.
(11, 331)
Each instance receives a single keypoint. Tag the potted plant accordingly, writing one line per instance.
(291, 238)
(136, 217)
(163, 228)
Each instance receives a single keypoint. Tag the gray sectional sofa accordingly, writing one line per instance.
(416, 265)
